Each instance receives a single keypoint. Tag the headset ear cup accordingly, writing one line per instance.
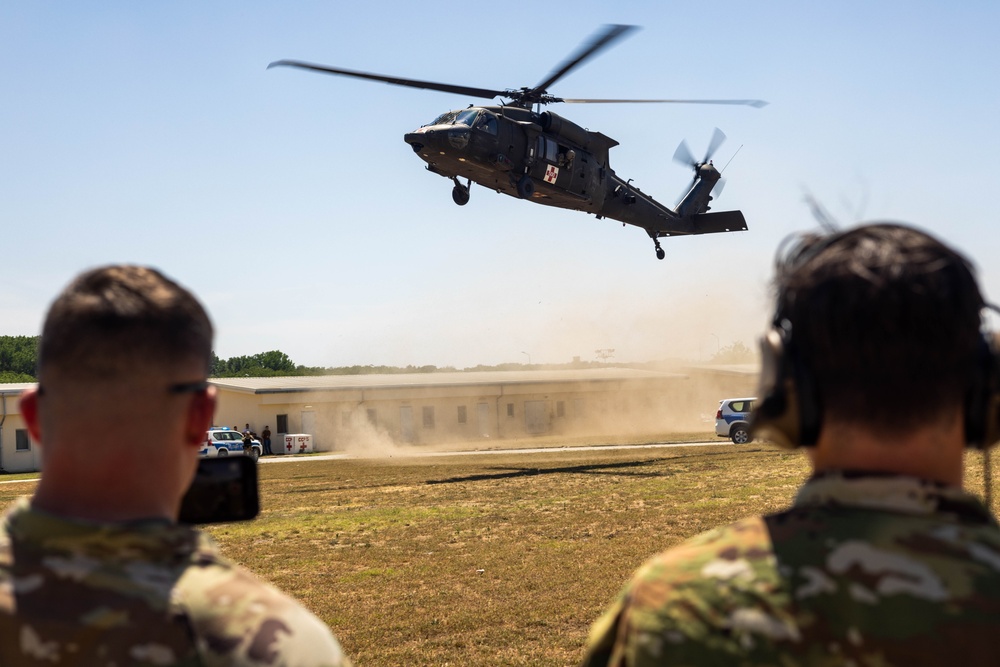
(982, 406)
(776, 414)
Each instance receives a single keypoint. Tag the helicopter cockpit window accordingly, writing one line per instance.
(467, 117)
(447, 118)
(487, 123)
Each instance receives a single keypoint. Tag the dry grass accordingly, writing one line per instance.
(493, 559)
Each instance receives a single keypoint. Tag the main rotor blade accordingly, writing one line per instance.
(394, 80)
(750, 103)
(601, 40)
(717, 138)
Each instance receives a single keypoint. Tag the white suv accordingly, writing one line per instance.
(227, 442)
(733, 419)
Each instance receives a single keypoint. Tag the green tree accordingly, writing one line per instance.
(19, 355)
(9, 377)
(263, 364)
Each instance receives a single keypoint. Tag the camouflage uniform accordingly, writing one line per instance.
(861, 570)
(145, 593)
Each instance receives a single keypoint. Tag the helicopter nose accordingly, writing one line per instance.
(415, 140)
(438, 140)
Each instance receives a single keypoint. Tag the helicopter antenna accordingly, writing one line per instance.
(731, 159)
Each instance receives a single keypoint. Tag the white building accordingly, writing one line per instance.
(376, 412)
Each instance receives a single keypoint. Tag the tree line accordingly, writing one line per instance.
(19, 359)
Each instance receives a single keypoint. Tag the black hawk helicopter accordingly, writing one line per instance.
(544, 158)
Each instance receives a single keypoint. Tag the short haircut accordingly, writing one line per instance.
(118, 320)
(885, 318)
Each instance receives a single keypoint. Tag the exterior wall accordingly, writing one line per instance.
(11, 458)
(384, 417)
(237, 409)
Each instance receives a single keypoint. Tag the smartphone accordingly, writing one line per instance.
(224, 489)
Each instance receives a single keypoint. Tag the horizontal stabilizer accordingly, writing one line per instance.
(723, 221)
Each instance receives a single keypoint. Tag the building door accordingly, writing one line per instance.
(483, 414)
(406, 423)
(309, 423)
(536, 417)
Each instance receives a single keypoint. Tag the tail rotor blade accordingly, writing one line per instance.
(719, 187)
(683, 155)
(717, 138)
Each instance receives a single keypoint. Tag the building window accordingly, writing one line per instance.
(560, 408)
(372, 416)
(461, 414)
(22, 442)
(510, 409)
(281, 423)
(428, 413)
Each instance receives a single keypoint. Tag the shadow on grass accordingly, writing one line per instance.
(592, 468)
(509, 472)
(599, 468)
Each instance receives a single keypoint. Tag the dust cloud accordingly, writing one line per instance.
(676, 329)
(668, 404)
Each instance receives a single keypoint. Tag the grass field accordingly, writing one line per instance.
(492, 559)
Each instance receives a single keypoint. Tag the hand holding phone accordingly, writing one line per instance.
(224, 489)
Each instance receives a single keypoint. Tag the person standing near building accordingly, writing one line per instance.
(876, 364)
(266, 437)
(94, 568)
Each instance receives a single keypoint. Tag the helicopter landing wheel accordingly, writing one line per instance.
(525, 187)
(460, 193)
(659, 250)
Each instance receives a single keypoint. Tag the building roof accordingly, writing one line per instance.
(306, 383)
(15, 388)
(729, 369)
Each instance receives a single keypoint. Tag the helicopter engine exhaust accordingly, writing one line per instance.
(565, 129)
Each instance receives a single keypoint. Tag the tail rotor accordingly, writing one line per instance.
(684, 156)
(683, 153)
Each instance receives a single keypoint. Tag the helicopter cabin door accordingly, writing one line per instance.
(563, 166)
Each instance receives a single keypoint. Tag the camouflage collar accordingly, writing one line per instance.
(22, 522)
(893, 493)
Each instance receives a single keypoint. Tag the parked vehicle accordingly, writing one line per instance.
(733, 419)
(224, 441)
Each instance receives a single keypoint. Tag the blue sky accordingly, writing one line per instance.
(153, 133)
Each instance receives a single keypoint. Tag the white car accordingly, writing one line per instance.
(733, 419)
(227, 442)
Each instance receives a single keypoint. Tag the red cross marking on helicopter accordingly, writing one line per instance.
(551, 173)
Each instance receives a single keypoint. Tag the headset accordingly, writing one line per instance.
(789, 408)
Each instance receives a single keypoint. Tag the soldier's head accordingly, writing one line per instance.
(118, 323)
(885, 323)
(122, 344)
(123, 362)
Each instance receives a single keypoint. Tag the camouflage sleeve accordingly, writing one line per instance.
(240, 620)
(602, 645)
(711, 600)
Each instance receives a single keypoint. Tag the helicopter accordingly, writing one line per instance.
(517, 149)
